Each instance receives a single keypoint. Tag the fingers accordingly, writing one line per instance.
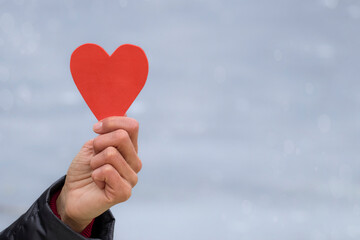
(115, 187)
(111, 156)
(110, 124)
(116, 163)
(120, 140)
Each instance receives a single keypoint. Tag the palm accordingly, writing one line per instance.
(86, 194)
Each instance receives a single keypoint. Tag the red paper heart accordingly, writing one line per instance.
(109, 84)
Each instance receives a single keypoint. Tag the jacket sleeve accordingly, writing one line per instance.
(40, 223)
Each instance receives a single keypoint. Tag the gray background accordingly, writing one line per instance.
(249, 118)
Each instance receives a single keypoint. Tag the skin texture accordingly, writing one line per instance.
(102, 174)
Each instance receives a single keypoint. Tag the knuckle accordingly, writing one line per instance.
(110, 153)
(107, 169)
(109, 123)
(120, 135)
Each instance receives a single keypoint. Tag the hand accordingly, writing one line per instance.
(102, 174)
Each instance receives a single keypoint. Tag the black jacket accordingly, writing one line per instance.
(40, 223)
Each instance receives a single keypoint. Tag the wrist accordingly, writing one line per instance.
(75, 224)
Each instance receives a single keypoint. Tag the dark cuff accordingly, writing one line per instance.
(86, 232)
(39, 222)
(103, 226)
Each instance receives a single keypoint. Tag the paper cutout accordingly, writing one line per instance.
(109, 84)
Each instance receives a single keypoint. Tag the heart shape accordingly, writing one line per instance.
(109, 84)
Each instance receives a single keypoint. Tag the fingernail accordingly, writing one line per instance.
(97, 126)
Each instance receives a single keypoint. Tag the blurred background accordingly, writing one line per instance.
(249, 120)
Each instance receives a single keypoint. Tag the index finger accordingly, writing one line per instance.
(111, 124)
